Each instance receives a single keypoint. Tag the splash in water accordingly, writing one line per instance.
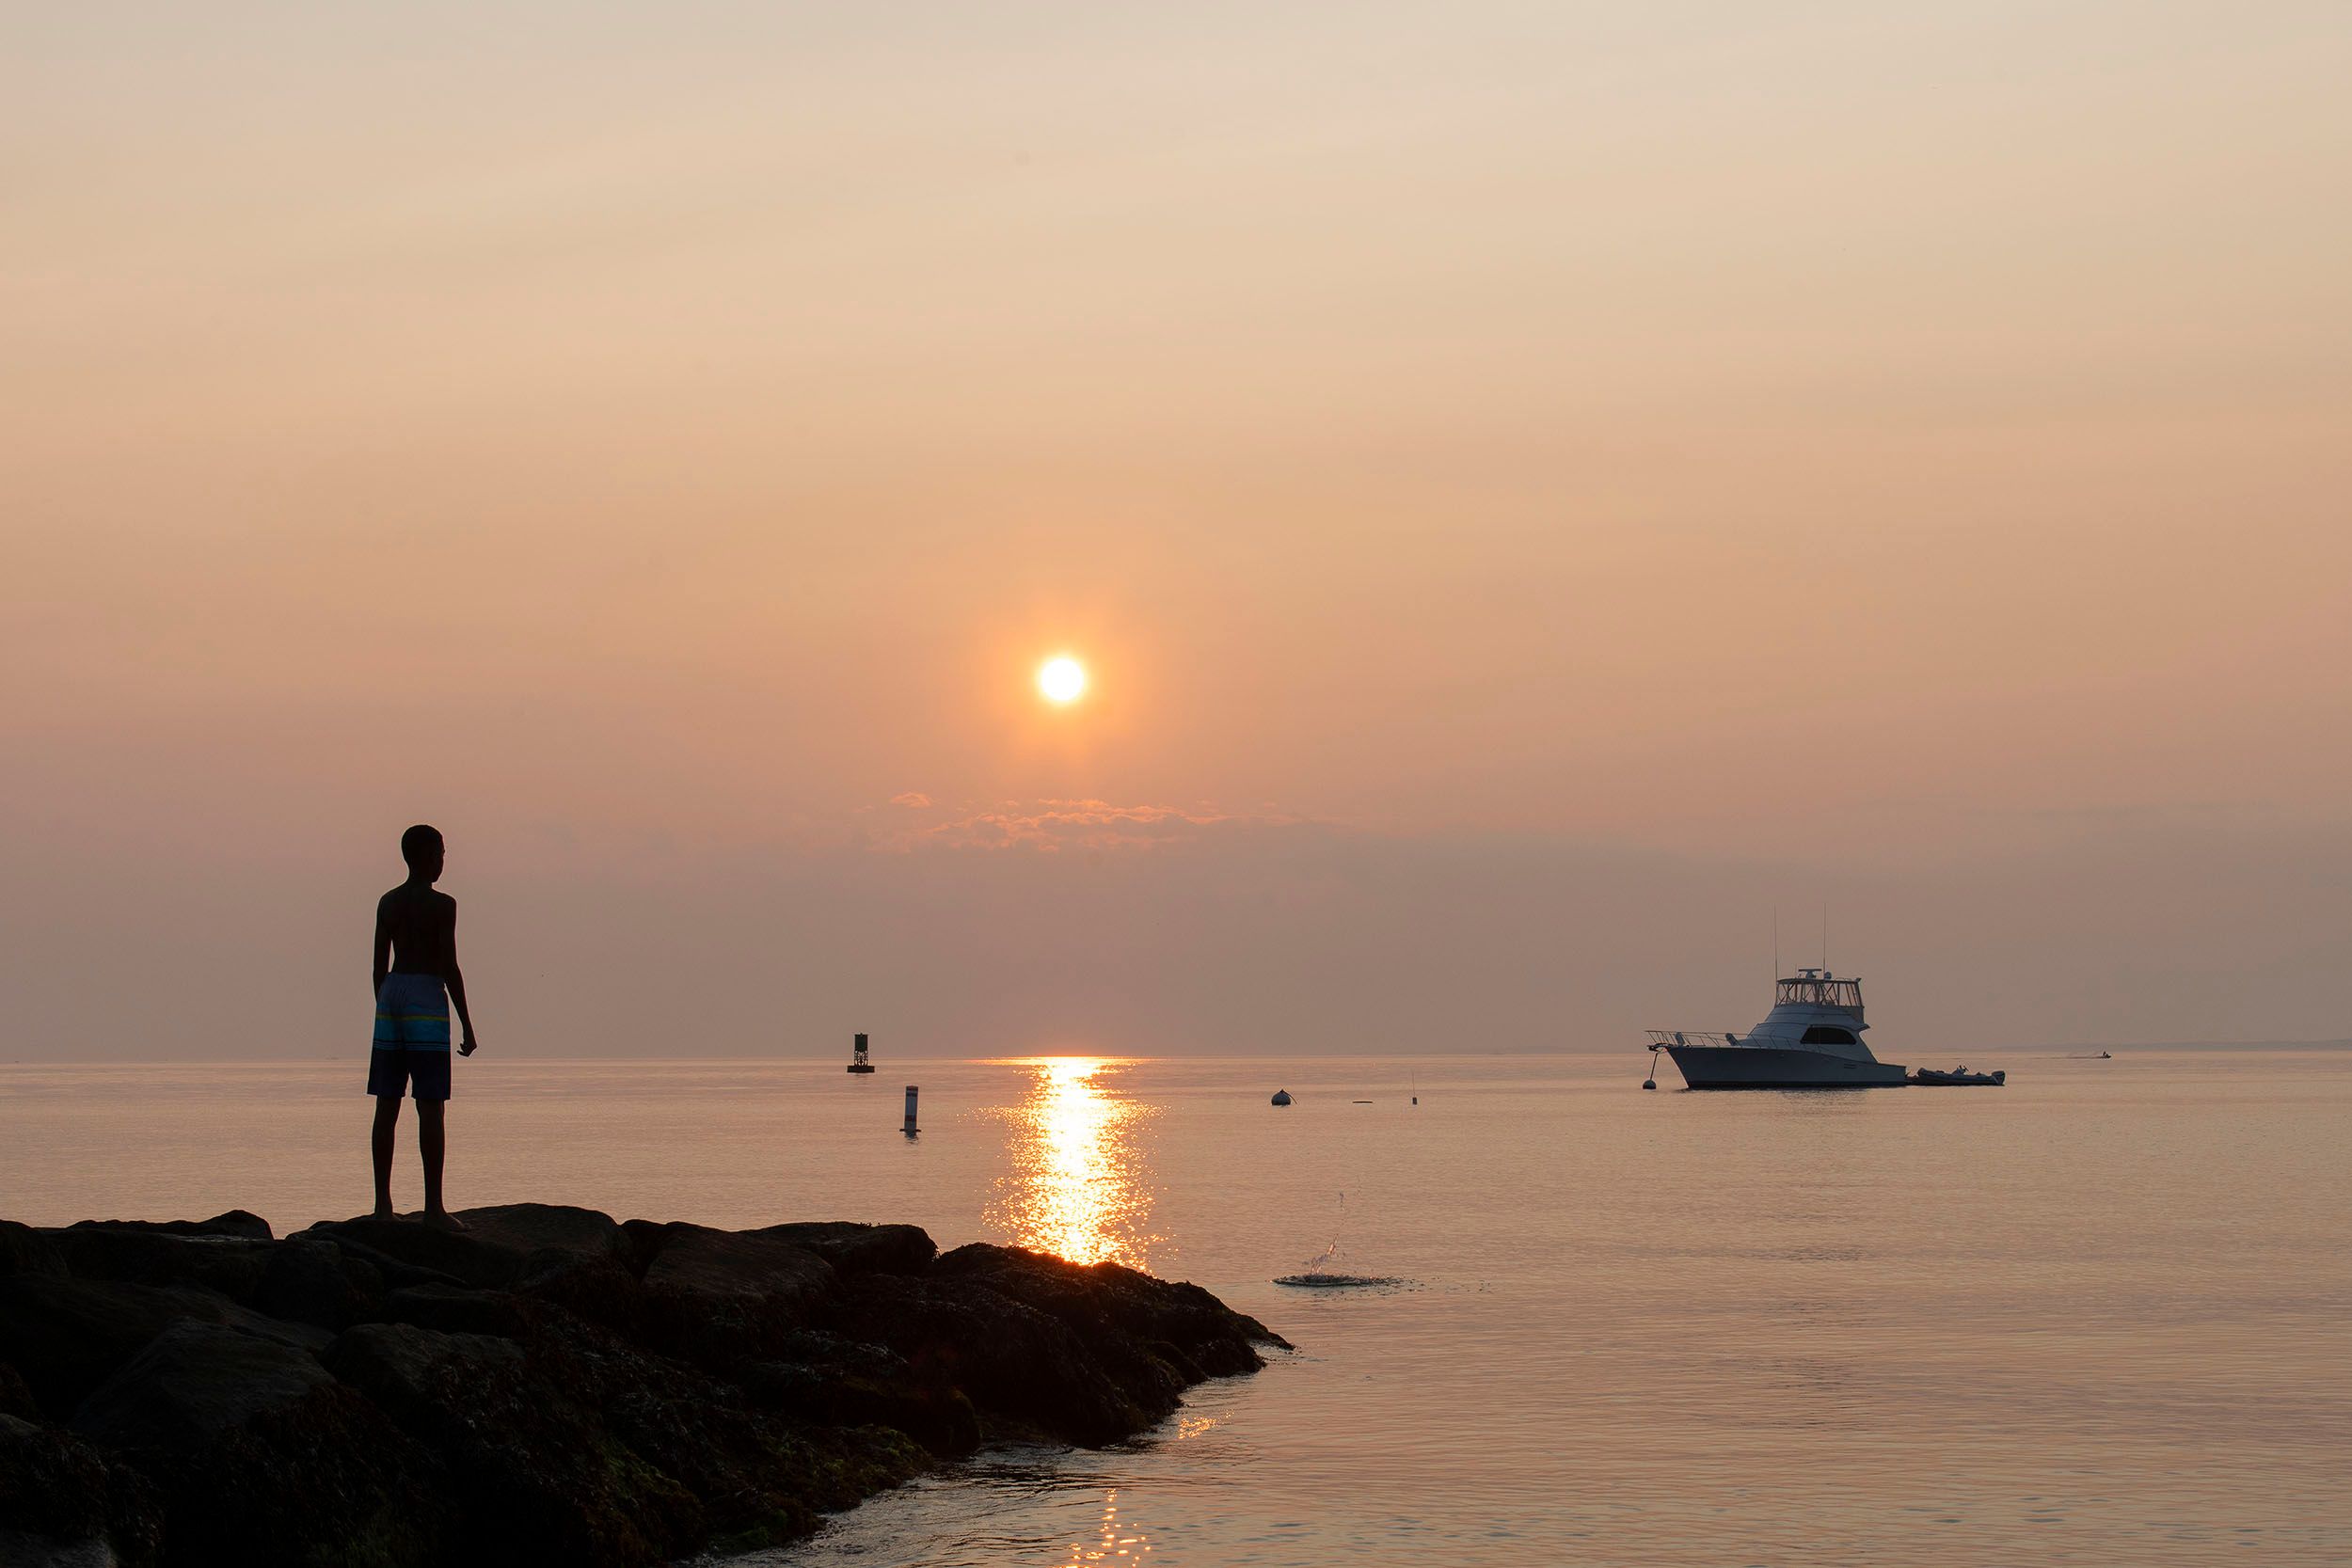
(1321, 1272)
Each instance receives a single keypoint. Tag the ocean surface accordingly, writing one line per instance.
(2102, 1315)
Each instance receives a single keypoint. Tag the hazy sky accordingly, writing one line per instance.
(1538, 487)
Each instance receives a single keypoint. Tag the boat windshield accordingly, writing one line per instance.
(1820, 989)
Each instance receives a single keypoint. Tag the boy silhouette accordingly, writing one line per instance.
(416, 979)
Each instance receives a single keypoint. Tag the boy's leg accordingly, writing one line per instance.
(432, 1142)
(386, 1119)
(388, 1080)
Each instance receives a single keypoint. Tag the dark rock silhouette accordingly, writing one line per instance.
(547, 1387)
(64, 1336)
(454, 1309)
(62, 1501)
(720, 1297)
(24, 1250)
(237, 1222)
(192, 1381)
(853, 1249)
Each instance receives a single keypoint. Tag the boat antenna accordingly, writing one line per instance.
(1824, 936)
(1776, 944)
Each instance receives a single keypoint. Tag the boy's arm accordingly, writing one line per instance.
(455, 979)
(383, 951)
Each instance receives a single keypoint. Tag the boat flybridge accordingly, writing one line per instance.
(1811, 1040)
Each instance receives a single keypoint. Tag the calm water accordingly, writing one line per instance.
(2099, 1315)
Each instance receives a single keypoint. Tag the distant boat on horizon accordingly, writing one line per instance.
(1811, 1040)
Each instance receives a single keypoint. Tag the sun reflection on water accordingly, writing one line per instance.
(1109, 1545)
(1078, 1187)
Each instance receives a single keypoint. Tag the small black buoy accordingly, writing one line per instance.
(1281, 1097)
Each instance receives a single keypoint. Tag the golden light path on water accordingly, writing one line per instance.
(1078, 1187)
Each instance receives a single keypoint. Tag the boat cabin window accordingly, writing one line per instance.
(1814, 988)
(1821, 1033)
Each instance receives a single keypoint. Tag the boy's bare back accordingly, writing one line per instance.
(420, 927)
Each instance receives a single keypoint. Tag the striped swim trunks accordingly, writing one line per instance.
(411, 1037)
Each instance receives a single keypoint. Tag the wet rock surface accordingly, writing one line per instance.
(550, 1386)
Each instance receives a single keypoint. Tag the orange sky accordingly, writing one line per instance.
(1536, 486)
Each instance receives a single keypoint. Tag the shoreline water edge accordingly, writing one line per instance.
(547, 1387)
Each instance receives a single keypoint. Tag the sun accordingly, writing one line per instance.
(1062, 679)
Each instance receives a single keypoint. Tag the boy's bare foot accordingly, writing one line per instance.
(441, 1219)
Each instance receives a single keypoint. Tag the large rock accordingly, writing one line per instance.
(741, 1265)
(418, 1374)
(1088, 1353)
(718, 1297)
(576, 1254)
(854, 1249)
(453, 1310)
(16, 1395)
(194, 1382)
(232, 1265)
(67, 1336)
(1026, 1370)
(261, 1457)
(759, 1480)
(25, 1251)
(62, 1503)
(539, 1229)
(1108, 1303)
(576, 1447)
(536, 1473)
(391, 1272)
(310, 1280)
(827, 1380)
(406, 1253)
(302, 1279)
(236, 1222)
(23, 1550)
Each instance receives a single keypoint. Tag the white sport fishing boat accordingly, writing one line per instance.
(1811, 1040)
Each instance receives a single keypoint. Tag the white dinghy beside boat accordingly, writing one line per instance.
(1961, 1075)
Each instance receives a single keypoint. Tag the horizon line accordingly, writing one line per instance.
(1016, 1058)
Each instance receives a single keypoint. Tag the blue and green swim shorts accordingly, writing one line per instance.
(411, 1037)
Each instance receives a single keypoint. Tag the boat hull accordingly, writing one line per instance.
(1748, 1067)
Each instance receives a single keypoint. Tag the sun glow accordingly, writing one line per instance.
(1062, 679)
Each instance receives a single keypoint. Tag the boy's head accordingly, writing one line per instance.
(421, 847)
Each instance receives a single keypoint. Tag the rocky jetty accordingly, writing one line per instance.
(551, 1387)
